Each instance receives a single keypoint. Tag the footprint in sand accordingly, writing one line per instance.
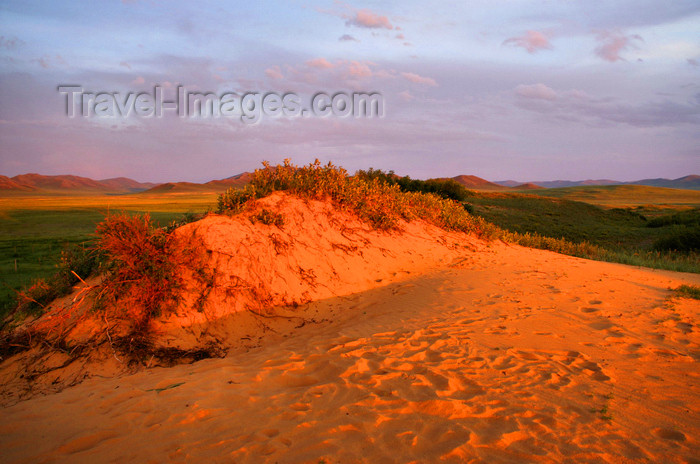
(668, 434)
(601, 324)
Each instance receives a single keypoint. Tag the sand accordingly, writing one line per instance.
(492, 353)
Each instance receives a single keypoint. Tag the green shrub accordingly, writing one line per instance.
(445, 188)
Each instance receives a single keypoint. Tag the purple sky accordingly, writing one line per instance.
(527, 90)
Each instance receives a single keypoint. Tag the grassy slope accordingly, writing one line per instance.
(35, 228)
(626, 196)
(572, 220)
(622, 232)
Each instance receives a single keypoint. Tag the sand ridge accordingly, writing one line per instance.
(506, 355)
(241, 265)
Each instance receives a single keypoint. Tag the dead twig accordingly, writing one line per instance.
(109, 337)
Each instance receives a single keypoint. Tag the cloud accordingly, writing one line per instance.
(347, 38)
(10, 43)
(536, 91)
(406, 96)
(125, 64)
(532, 41)
(359, 69)
(693, 62)
(274, 73)
(368, 19)
(613, 43)
(417, 79)
(320, 63)
(578, 106)
(139, 81)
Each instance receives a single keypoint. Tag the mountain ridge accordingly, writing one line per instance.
(38, 183)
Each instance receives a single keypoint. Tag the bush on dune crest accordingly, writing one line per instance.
(381, 204)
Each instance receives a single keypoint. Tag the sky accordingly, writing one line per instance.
(521, 89)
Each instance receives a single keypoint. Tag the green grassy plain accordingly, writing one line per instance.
(35, 228)
(627, 233)
(650, 200)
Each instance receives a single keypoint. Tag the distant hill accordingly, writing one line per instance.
(8, 184)
(124, 183)
(687, 182)
(37, 183)
(477, 183)
(238, 180)
(508, 183)
(691, 182)
(560, 183)
(67, 184)
(527, 186)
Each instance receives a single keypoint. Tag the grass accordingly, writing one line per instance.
(35, 230)
(621, 235)
(627, 196)
(688, 291)
(268, 217)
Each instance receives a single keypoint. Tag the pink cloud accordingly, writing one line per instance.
(406, 96)
(125, 64)
(532, 41)
(139, 81)
(417, 79)
(320, 63)
(347, 38)
(536, 91)
(10, 42)
(370, 20)
(359, 69)
(612, 43)
(274, 73)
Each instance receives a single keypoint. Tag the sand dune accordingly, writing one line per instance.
(502, 355)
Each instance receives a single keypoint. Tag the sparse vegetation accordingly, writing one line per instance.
(36, 230)
(370, 197)
(76, 262)
(445, 188)
(267, 217)
(688, 291)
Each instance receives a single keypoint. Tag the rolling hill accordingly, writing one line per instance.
(212, 186)
(37, 183)
(477, 183)
(691, 182)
